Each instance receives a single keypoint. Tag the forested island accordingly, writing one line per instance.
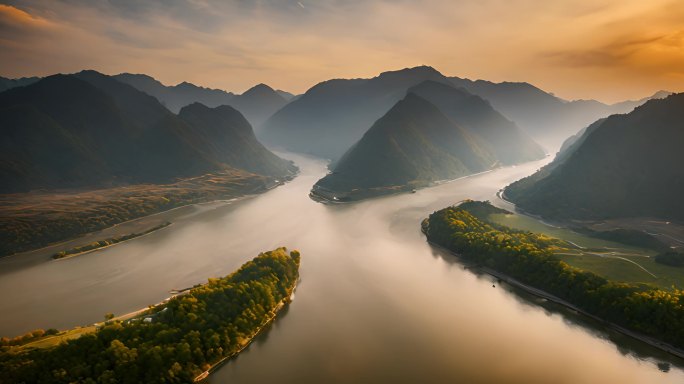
(174, 342)
(105, 243)
(529, 258)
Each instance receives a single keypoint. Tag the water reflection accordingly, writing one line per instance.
(376, 303)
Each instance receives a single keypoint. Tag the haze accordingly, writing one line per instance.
(609, 50)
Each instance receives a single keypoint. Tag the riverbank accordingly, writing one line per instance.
(218, 319)
(527, 254)
(31, 221)
(327, 196)
(103, 244)
(274, 313)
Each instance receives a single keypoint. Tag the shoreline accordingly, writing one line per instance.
(81, 330)
(274, 313)
(229, 200)
(653, 342)
(370, 194)
(110, 245)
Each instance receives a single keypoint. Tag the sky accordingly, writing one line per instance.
(608, 50)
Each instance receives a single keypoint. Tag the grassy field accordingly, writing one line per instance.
(609, 259)
(54, 340)
(33, 220)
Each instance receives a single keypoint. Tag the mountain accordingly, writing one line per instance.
(90, 130)
(334, 114)
(231, 140)
(6, 83)
(257, 104)
(412, 145)
(176, 97)
(547, 118)
(285, 95)
(623, 166)
(631, 104)
(504, 138)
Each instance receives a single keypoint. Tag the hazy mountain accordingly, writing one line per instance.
(88, 130)
(257, 104)
(503, 137)
(285, 95)
(231, 140)
(624, 166)
(334, 114)
(177, 96)
(629, 105)
(547, 118)
(6, 83)
(411, 145)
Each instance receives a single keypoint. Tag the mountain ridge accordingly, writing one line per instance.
(633, 174)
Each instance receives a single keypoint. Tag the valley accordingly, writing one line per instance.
(359, 257)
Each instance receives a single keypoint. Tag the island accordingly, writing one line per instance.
(177, 341)
(82, 249)
(528, 260)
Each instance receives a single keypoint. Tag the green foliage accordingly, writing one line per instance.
(184, 337)
(528, 257)
(481, 209)
(673, 259)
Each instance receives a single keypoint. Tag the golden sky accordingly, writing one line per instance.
(604, 49)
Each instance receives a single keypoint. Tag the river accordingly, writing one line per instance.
(376, 303)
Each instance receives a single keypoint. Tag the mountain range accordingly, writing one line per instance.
(332, 115)
(6, 83)
(90, 130)
(549, 119)
(622, 166)
(257, 104)
(437, 132)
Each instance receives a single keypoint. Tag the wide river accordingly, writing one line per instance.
(376, 303)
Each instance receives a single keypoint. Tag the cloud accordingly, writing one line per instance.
(292, 44)
(615, 54)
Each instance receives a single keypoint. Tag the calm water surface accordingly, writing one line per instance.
(376, 304)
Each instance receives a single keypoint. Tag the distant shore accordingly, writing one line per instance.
(329, 196)
(43, 253)
(67, 255)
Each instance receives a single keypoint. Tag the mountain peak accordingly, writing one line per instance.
(259, 89)
(187, 85)
(423, 71)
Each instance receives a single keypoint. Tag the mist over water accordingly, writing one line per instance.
(375, 303)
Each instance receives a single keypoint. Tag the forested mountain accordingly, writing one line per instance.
(334, 114)
(547, 118)
(257, 104)
(231, 140)
(90, 130)
(623, 166)
(412, 145)
(504, 138)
